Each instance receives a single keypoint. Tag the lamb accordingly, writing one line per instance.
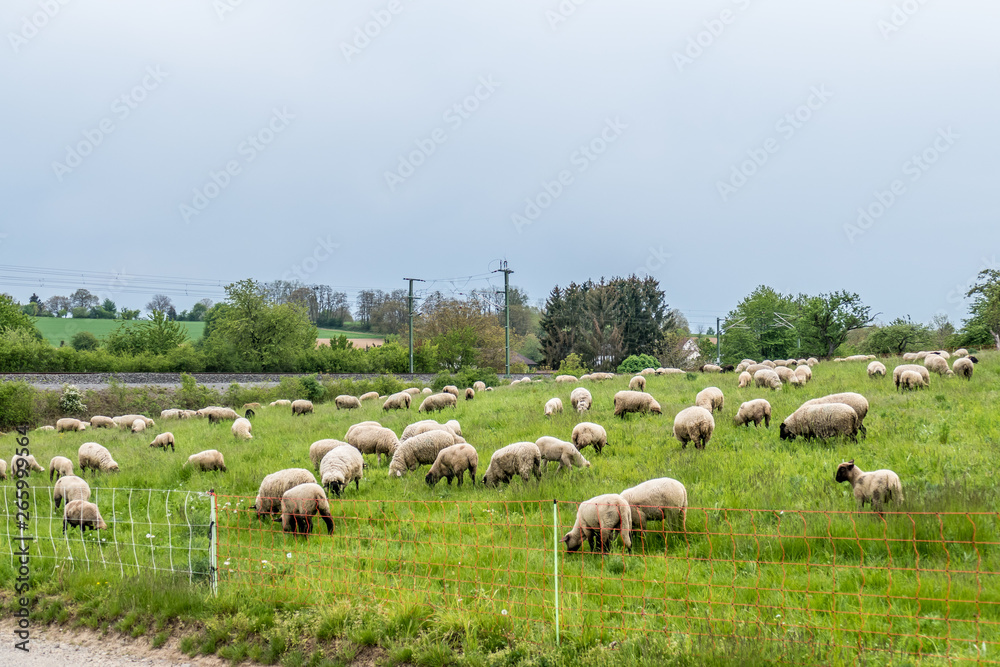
(453, 390)
(960, 352)
(589, 433)
(369, 396)
(479, 385)
(600, 517)
(804, 373)
(581, 399)
(398, 401)
(711, 399)
(208, 460)
(963, 367)
(273, 487)
(521, 458)
(638, 383)
(30, 464)
(280, 402)
(70, 488)
(436, 402)
(84, 514)
(345, 402)
(917, 368)
(241, 429)
(69, 424)
(767, 378)
(694, 424)
(566, 453)
(163, 441)
(94, 456)
(470, 393)
(661, 499)
(745, 380)
(875, 488)
(302, 407)
(452, 462)
(100, 421)
(635, 401)
(299, 504)
(419, 450)
(876, 369)
(856, 401)
(756, 411)
(374, 440)
(138, 426)
(937, 364)
(910, 380)
(826, 420)
(553, 406)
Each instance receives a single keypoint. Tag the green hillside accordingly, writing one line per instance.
(56, 329)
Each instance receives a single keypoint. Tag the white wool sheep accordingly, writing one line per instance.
(319, 449)
(369, 396)
(453, 390)
(694, 424)
(745, 379)
(208, 460)
(521, 459)
(875, 488)
(412, 391)
(164, 440)
(424, 426)
(354, 427)
(436, 402)
(796, 380)
(241, 429)
(280, 402)
(398, 401)
(804, 372)
(47, 427)
(70, 488)
(172, 413)
(825, 420)
(100, 421)
(84, 514)
(565, 453)
(935, 363)
(602, 376)
(580, 399)
(374, 440)
(218, 414)
(30, 464)
(960, 352)
(455, 427)
(670, 371)
(69, 424)
(753, 368)
(910, 380)
(479, 385)
(553, 406)
(637, 383)
(786, 374)
(909, 356)
(635, 401)
(647, 371)
(812, 361)
(770, 364)
(711, 399)
(758, 410)
(601, 517)
(780, 362)
(710, 368)
(876, 369)
(767, 378)
(663, 499)
(96, 457)
(922, 354)
(251, 406)
(470, 393)
(452, 462)
(855, 400)
(586, 434)
(943, 354)
(299, 504)
(916, 368)
(742, 366)
(345, 402)
(138, 426)
(426, 390)
(419, 450)
(301, 407)
(3, 469)
(126, 421)
(273, 487)
(585, 376)
(963, 367)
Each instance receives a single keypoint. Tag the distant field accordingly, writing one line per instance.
(333, 333)
(56, 329)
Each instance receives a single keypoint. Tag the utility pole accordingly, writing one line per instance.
(506, 308)
(718, 341)
(410, 302)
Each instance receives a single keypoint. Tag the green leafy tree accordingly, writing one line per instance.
(899, 336)
(13, 318)
(637, 362)
(129, 314)
(83, 341)
(983, 325)
(757, 327)
(827, 319)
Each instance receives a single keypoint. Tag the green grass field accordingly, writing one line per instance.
(448, 574)
(333, 333)
(58, 329)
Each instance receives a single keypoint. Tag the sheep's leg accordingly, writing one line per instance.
(448, 479)
(472, 474)
(461, 477)
(357, 484)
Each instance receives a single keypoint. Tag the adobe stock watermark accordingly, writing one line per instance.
(581, 159)
(901, 14)
(914, 169)
(655, 261)
(786, 127)
(370, 30)
(224, 8)
(957, 296)
(706, 38)
(454, 116)
(32, 24)
(247, 151)
(562, 12)
(121, 108)
(309, 264)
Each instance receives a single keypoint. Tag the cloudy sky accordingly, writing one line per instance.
(811, 146)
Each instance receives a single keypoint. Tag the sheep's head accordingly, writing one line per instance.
(973, 359)
(844, 470)
(431, 479)
(785, 433)
(100, 523)
(572, 540)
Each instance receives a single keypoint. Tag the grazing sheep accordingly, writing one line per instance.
(935, 363)
(59, 466)
(647, 371)
(921, 355)
(917, 368)
(601, 517)
(369, 396)
(479, 385)
(302, 407)
(455, 427)
(710, 368)
(856, 401)
(100, 421)
(910, 380)
(963, 367)
(565, 453)
(943, 354)
(635, 401)
(241, 429)
(127, 421)
(638, 383)
(319, 449)
(273, 487)
(876, 369)
(426, 390)
(217, 414)
(452, 462)
(909, 356)
(360, 425)
(208, 460)
(756, 411)
(30, 464)
(812, 361)
(47, 427)
(521, 458)
(602, 376)
(580, 399)
(3, 469)
(299, 504)
(826, 420)
(767, 378)
(96, 457)
(423, 427)
(172, 413)
(753, 368)
(280, 402)
(589, 433)
(84, 514)
(804, 373)
(436, 402)
(69, 424)
(345, 402)
(745, 379)
(138, 426)
(419, 450)
(960, 352)
(165, 440)
(711, 399)
(875, 488)
(694, 424)
(453, 390)
(784, 373)
(374, 440)
(70, 488)
(670, 371)
(470, 393)
(661, 499)
(398, 401)
(553, 406)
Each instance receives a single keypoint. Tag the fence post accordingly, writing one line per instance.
(213, 546)
(555, 559)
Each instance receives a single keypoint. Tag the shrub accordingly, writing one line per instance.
(572, 365)
(17, 401)
(636, 363)
(83, 341)
(71, 402)
(192, 396)
(469, 376)
(313, 389)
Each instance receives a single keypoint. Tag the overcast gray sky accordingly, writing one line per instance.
(714, 145)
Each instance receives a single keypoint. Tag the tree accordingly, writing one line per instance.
(128, 314)
(757, 327)
(83, 341)
(828, 318)
(942, 331)
(983, 325)
(462, 334)
(899, 336)
(58, 305)
(159, 302)
(13, 319)
(83, 299)
(106, 311)
(156, 335)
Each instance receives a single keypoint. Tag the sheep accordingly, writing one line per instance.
(126, 421)
(742, 366)
(138, 426)
(359, 425)
(208, 460)
(453, 390)
(302, 407)
(84, 514)
(3, 469)
(711, 399)
(69, 424)
(669, 371)
(921, 355)
(812, 361)
(345, 402)
(412, 391)
(436, 402)
(960, 352)
(452, 462)
(521, 458)
(580, 399)
(369, 396)
(935, 363)
(876, 369)
(553, 406)
(419, 450)
(856, 401)
(694, 424)
(875, 488)
(218, 414)
(910, 380)
(663, 499)
(963, 367)
(281, 402)
(710, 368)
(767, 378)
(426, 390)
(455, 427)
(635, 401)
(566, 453)
(398, 401)
(100, 421)
(479, 385)
(589, 433)
(770, 364)
(172, 413)
(602, 376)
(273, 487)
(299, 504)
(784, 373)
(638, 383)
(47, 427)
(70, 488)
(374, 440)
(59, 466)
(821, 421)
(585, 376)
(943, 354)
(917, 368)
(470, 393)
(318, 450)
(647, 371)
(423, 427)
(94, 456)
(745, 380)
(30, 464)
(600, 517)
(804, 372)
(241, 429)
(756, 411)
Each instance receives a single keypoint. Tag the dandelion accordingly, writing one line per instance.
(288, 555)
(226, 563)
(503, 612)
(263, 561)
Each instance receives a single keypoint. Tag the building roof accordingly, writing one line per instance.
(518, 358)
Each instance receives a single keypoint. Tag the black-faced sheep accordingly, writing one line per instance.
(766, 377)
(341, 466)
(963, 368)
(598, 519)
(69, 424)
(756, 411)
(374, 440)
(876, 369)
(580, 399)
(898, 371)
(588, 433)
(635, 401)
(164, 440)
(521, 459)
(875, 488)
(855, 400)
(298, 506)
(452, 462)
(83, 514)
(827, 420)
(398, 401)
(638, 383)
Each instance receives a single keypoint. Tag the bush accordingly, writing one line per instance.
(17, 400)
(83, 341)
(572, 365)
(441, 380)
(71, 402)
(636, 363)
(469, 376)
(313, 389)
(192, 396)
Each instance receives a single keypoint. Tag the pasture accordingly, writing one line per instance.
(62, 329)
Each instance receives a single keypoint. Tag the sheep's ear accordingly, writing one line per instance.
(565, 538)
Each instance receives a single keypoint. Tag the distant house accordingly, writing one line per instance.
(690, 346)
(518, 358)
